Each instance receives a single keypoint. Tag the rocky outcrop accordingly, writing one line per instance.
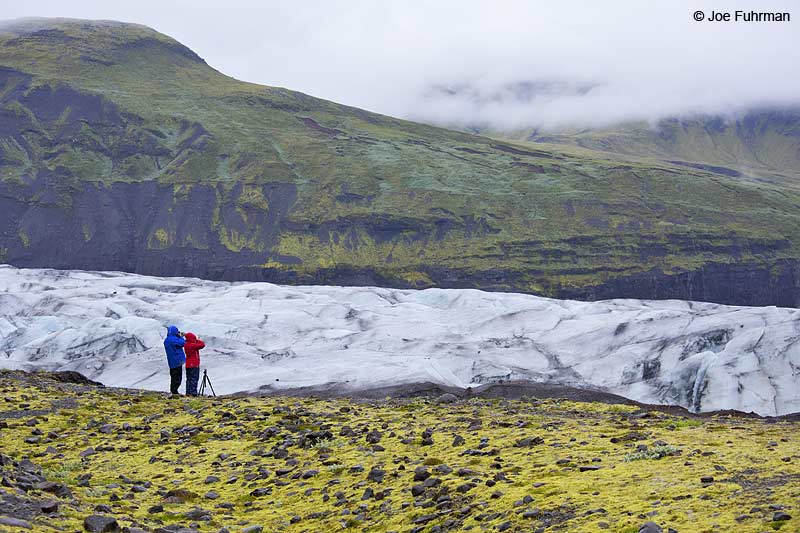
(774, 283)
(206, 233)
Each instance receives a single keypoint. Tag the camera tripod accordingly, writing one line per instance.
(207, 380)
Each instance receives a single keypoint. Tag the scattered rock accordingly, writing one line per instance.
(49, 507)
(15, 522)
(424, 519)
(443, 469)
(650, 527)
(446, 398)
(527, 442)
(421, 473)
(466, 487)
(533, 513)
(100, 524)
(376, 475)
(198, 514)
(374, 436)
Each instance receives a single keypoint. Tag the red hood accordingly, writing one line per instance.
(190, 336)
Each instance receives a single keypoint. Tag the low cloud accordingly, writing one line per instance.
(506, 64)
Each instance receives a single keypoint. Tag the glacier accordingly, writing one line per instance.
(110, 327)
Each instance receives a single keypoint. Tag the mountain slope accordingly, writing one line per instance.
(120, 149)
(763, 143)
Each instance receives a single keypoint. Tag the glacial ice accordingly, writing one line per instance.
(110, 325)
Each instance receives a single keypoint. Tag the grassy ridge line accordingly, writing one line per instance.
(760, 143)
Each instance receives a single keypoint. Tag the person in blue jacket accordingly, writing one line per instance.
(173, 344)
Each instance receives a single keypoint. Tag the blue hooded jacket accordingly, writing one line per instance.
(173, 344)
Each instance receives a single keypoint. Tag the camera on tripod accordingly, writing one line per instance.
(206, 381)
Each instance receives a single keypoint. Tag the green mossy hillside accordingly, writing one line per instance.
(760, 142)
(121, 149)
(305, 464)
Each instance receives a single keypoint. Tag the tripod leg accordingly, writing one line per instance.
(212, 386)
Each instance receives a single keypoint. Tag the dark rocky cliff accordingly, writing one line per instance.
(110, 227)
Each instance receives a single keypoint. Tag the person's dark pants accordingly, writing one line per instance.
(175, 378)
(192, 375)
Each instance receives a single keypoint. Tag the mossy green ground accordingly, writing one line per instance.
(755, 463)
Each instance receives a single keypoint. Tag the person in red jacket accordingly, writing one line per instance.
(192, 348)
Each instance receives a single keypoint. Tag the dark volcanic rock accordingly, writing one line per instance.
(421, 473)
(732, 283)
(100, 524)
(376, 475)
(49, 507)
(15, 522)
(53, 243)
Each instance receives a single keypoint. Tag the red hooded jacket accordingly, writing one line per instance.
(192, 348)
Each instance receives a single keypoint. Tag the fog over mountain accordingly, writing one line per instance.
(593, 63)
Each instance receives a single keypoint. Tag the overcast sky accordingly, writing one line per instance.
(593, 62)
